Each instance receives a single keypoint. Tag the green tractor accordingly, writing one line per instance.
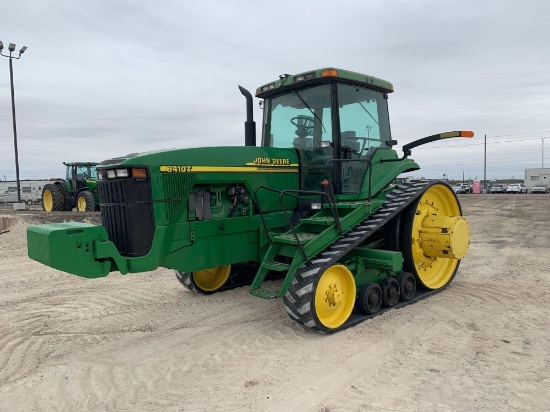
(79, 189)
(315, 206)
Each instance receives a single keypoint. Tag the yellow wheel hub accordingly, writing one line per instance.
(210, 280)
(81, 204)
(440, 236)
(335, 296)
(47, 201)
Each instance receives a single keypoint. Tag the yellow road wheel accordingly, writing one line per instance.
(435, 237)
(335, 296)
(47, 201)
(210, 280)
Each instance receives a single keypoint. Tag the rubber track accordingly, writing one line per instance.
(300, 295)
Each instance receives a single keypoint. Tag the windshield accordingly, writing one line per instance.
(299, 119)
(82, 172)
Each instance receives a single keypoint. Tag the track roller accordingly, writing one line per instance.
(369, 300)
(407, 286)
(390, 291)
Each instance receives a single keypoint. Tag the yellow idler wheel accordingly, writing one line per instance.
(334, 296)
(435, 237)
(210, 280)
(47, 201)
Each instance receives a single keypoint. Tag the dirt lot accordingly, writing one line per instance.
(143, 342)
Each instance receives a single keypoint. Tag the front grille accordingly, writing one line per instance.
(127, 213)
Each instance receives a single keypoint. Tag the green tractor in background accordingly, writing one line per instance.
(79, 189)
(315, 205)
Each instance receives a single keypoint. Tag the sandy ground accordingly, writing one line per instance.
(143, 342)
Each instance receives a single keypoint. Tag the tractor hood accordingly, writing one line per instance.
(211, 159)
(150, 217)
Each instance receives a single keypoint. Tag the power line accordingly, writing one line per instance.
(520, 134)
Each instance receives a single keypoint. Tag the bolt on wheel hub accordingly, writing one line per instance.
(333, 294)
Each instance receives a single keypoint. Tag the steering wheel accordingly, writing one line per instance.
(303, 124)
(307, 122)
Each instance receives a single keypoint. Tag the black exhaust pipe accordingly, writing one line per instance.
(250, 124)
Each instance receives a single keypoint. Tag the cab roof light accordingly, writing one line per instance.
(268, 87)
(329, 73)
(304, 77)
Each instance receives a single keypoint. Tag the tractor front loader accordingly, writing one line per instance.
(79, 189)
(315, 205)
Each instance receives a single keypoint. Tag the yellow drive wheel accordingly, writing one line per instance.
(435, 237)
(47, 201)
(210, 280)
(334, 296)
(52, 198)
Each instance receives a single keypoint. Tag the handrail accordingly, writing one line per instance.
(330, 200)
(309, 192)
(290, 192)
(264, 224)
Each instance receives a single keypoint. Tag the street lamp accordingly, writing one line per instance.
(11, 48)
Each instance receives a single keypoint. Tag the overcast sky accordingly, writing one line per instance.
(105, 78)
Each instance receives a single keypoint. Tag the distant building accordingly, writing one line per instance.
(534, 176)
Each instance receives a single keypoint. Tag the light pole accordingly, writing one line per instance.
(11, 48)
(543, 151)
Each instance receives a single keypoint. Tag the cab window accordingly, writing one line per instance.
(364, 121)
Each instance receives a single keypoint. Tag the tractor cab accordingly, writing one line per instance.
(78, 173)
(335, 119)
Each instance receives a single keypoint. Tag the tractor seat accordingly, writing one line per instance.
(303, 143)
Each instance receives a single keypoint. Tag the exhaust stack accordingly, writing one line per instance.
(250, 124)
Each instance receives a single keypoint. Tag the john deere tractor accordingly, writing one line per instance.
(314, 205)
(79, 189)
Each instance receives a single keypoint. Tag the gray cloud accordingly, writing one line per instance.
(105, 78)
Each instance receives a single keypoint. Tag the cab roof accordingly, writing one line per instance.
(80, 163)
(322, 76)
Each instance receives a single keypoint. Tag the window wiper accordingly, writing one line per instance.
(309, 108)
(365, 109)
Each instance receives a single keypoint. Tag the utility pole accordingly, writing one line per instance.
(485, 166)
(543, 151)
(11, 48)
